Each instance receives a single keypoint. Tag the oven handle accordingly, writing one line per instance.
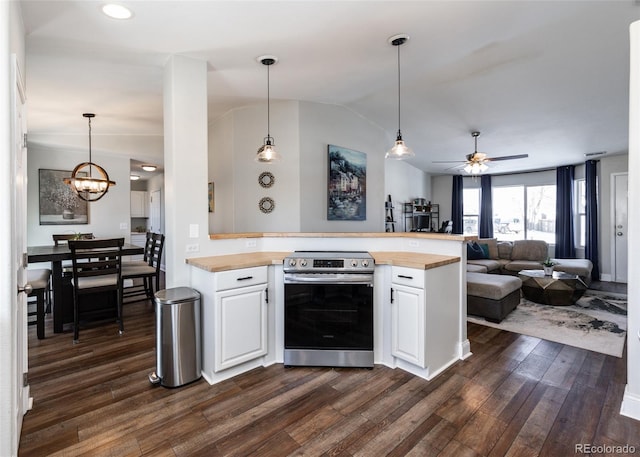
(329, 279)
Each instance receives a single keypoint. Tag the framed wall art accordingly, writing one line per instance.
(58, 203)
(347, 186)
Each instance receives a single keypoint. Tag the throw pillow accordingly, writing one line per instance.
(485, 250)
(493, 247)
(474, 251)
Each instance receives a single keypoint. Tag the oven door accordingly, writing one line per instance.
(325, 314)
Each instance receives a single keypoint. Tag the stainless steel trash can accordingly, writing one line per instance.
(178, 351)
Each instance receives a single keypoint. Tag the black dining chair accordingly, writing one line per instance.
(96, 266)
(147, 269)
(40, 280)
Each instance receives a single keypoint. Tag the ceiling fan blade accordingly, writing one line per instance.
(518, 156)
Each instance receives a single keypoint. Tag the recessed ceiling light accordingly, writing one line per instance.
(134, 177)
(149, 167)
(116, 11)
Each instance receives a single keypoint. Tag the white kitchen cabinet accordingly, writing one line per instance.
(240, 317)
(408, 315)
(425, 318)
(139, 204)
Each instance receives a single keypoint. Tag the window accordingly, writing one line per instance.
(471, 210)
(581, 203)
(525, 212)
(541, 213)
(508, 212)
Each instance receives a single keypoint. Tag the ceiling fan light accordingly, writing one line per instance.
(483, 167)
(399, 151)
(116, 11)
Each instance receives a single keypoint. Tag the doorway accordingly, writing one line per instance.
(619, 195)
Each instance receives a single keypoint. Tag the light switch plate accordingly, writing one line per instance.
(194, 230)
(123, 226)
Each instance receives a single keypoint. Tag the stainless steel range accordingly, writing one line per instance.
(328, 309)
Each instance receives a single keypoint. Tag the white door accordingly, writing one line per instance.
(620, 253)
(18, 244)
(154, 211)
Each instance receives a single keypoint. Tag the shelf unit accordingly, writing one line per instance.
(421, 216)
(389, 221)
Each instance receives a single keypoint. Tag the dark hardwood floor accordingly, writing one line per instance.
(517, 395)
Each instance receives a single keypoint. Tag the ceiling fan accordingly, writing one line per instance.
(476, 162)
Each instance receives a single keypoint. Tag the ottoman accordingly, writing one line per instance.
(492, 296)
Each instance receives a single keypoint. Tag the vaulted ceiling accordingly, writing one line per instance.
(544, 78)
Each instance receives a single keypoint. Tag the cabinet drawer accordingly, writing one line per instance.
(241, 278)
(407, 276)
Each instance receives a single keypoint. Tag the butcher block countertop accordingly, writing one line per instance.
(258, 259)
(413, 259)
(235, 261)
(427, 235)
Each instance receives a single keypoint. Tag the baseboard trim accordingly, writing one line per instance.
(630, 404)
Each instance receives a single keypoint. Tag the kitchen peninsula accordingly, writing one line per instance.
(419, 298)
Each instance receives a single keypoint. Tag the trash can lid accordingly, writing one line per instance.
(176, 295)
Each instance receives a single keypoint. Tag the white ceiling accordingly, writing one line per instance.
(544, 78)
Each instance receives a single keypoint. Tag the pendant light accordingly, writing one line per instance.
(89, 180)
(400, 150)
(267, 152)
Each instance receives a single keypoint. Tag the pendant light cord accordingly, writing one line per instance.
(399, 134)
(268, 106)
(90, 160)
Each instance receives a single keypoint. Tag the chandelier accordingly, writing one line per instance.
(89, 180)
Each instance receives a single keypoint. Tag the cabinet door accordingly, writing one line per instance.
(408, 317)
(139, 204)
(241, 326)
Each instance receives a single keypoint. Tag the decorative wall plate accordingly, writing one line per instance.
(266, 179)
(266, 204)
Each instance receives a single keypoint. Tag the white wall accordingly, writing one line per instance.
(321, 125)
(631, 401)
(105, 215)
(441, 187)
(404, 182)
(221, 173)
(233, 143)
(302, 131)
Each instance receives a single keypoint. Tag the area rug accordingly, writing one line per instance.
(597, 322)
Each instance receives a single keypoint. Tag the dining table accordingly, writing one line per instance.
(56, 255)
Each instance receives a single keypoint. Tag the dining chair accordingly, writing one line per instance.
(63, 238)
(147, 269)
(96, 269)
(39, 280)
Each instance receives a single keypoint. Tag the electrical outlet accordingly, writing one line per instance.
(414, 244)
(123, 226)
(192, 248)
(251, 243)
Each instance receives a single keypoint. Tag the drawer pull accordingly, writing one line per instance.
(244, 278)
(405, 277)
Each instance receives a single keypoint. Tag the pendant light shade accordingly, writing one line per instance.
(400, 150)
(89, 180)
(267, 152)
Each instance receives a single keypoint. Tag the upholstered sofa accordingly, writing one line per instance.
(492, 296)
(510, 257)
